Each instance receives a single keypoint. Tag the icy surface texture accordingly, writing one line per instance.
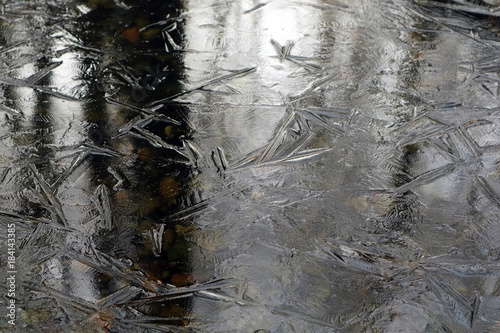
(245, 166)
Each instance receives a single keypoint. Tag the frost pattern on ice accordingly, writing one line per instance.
(252, 166)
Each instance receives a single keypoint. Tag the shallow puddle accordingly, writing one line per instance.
(244, 166)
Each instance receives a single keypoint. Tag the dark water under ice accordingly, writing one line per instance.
(245, 166)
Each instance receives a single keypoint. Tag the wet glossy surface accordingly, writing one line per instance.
(243, 166)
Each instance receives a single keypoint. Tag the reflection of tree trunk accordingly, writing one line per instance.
(153, 188)
(404, 211)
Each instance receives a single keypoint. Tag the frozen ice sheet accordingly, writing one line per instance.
(250, 166)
